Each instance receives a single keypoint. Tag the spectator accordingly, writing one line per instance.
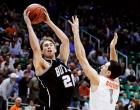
(31, 105)
(120, 105)
(10, 30)
(2, 103)
(102, 58)
(75, 99)
(124, 99)
(92, 56)
(5, 48)
(23, 86)
(131, 105)
(130, 73)
(7, 85)
(7, 63)
(34, 89)
(15, 47)
(12, 58)
(24, 52)
(17, 105)
(84, 92)
(72, 66)
(72, 50)
(19, 71)
(30, 71)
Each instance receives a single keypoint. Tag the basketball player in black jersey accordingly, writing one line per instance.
(55, 78)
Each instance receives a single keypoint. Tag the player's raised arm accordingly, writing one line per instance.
(113, 54)
(64, 48)
(32, 36)
(38, 61)
(80, 53)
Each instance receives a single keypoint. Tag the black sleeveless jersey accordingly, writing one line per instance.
(56, 86)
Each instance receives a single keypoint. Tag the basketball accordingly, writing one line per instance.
(36, 14)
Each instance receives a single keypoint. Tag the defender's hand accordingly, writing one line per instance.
(114, 41)
(74, 24)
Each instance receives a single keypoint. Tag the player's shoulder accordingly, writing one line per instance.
(59, 60)
(109, 83)
(113, 84)
(102, 78)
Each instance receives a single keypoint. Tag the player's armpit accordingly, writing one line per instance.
(40, 66)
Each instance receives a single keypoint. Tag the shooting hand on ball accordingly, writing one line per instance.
(47, 18)
(26, 17)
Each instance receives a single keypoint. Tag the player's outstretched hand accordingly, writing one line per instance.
(114, 40)
(74, 24)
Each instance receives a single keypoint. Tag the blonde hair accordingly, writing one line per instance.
(46, 39)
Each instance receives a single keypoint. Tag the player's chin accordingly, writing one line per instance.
(50, 56)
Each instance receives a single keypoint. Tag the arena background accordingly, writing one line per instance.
(98, 20)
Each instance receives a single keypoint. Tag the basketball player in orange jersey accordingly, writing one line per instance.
(55, 78)
(104, 90)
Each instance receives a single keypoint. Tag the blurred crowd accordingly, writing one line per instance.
(17, 74)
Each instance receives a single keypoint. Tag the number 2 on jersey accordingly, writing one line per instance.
(68, 82)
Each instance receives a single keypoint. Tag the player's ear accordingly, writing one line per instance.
(109, 73)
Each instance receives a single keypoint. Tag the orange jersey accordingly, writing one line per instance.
(14, 107)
